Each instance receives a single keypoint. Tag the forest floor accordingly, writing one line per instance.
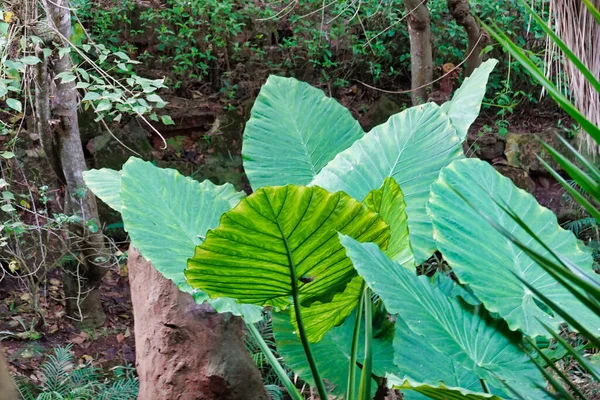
(28, 339)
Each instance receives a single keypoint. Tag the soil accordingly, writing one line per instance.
(108, 346)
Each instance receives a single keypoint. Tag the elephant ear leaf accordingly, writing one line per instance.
(489, 262)
(106, 184)
(280, 244)
(388, 202)
(436, 392)
(166, 215)
(467, 334)
(332, 353)
(411, 147)
(465, 105)
(293, 132)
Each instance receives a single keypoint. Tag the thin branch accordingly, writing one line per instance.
(429, 83)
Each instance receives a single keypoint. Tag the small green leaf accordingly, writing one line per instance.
(122, 55)
(154, 98)
(66, 77)
(104, 105)
(84, 74)
(7, 208)
(14, 104)
(7, 154)
(167, 120)
(30, 60)
(62, 51)
(91, 96)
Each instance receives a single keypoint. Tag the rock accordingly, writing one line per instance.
(380, 112)
(519, 177)
(522, 150)
(486, 145)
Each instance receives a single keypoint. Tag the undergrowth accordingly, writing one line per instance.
(62, 379)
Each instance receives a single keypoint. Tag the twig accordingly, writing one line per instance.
(427, 84)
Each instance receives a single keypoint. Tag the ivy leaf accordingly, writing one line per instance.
(30, 60)
(104, 105)
(91, 96)
(167, 120)
(14, 104)
(66, 77)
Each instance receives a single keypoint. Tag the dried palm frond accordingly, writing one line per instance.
(576, 26)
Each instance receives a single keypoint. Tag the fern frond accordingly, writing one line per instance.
(274, 391)
(121, 389)
(56, 371)
(26, 390)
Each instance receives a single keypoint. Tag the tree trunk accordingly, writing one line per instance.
(421, 55)
(477, 37)
(58, 126)
(7, 387)
(185, 350)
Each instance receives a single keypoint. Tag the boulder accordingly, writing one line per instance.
(486, 145)
(522, 150)
(380, 112)
(519, 177)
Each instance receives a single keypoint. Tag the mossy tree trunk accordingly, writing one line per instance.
(185, 350)
(477, 38)
(57, 123)
(7, 386)
(421, 54)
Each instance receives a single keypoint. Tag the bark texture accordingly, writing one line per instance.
(477, 37)
(7, 387)
(421, 56)
(186, 351)
(57, 122)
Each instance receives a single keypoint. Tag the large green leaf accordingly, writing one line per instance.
(282, 242)
(487, 261)
(417, 360)
(438, 392)
(465, 333)
(321, 316)
(412, 147)
(294, 131)
(332, 354)
(106, 184)
(388, 202)
(166, 214)
(465, 105)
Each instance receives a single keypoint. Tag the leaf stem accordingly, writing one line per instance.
(365, 378)
(301, 331)
(351, 389)
(306, 345)
(283, 376)
(484, 386)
